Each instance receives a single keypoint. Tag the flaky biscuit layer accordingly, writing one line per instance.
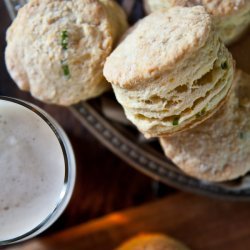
(174, 81)
(219, 148)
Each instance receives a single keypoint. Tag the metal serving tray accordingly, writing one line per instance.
(126, 142)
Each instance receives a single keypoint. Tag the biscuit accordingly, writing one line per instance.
(231, 17)
(56, 49)
(218, 149)
(168, 79)
(152, 242)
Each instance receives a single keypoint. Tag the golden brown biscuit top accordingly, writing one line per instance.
(214, 7)
(41, 17)
(156, 44)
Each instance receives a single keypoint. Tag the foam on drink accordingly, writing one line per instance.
(32, 170)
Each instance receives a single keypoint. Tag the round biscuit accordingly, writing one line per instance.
(56, 48)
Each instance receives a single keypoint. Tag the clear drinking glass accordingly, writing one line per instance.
(69, 172)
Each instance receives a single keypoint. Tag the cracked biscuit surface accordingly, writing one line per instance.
(56, 49)
(219, 148)
(168, 79)
(231, 17)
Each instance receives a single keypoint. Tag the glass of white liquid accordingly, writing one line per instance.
(37, 171)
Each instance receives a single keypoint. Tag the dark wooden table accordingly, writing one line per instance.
(201, 223)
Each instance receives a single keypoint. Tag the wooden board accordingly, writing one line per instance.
(202, 223)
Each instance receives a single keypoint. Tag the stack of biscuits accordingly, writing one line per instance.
(171, 72)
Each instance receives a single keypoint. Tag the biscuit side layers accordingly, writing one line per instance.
(218, 149)
(155, 109)
(231, 28)
(193, 77)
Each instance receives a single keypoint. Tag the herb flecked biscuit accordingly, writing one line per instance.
(171, 71)
(219, 148)
(231, 17)
(57, 48)
(152, 242)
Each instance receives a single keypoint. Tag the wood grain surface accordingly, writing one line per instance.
(201, 223)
